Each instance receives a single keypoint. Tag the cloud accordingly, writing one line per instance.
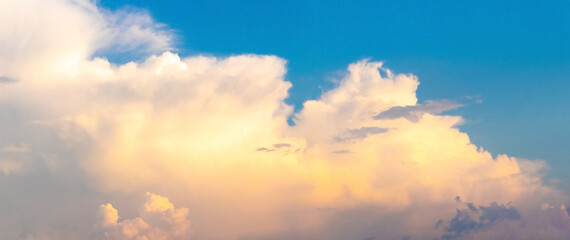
(283, 148)
(474, 219)
(360, 133)
(546, 222)
(54, 36)
(415, 112)
(4, 79)
(133, 31)
(343, 151)
(364, 160)
(158, 220)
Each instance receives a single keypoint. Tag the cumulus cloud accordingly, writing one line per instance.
(158, 220)
(54, 36)
(363, 161)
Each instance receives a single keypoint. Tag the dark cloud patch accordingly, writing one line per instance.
(438, 224)
(461, 224)
(496, 212)
(471, 207)
(458, 199)
(5, 79)
(360, 133)
(415, 112)
(473, 219)
(280, 147)
(264, 150)
(343, 151)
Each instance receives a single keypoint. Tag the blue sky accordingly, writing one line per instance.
(513, 55)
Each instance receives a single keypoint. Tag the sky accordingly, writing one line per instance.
(513, 56)
(284, 119)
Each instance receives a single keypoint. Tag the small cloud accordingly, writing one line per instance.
(280, 147)
(415, 112)
(265, 149)
(473, 219)
(5, 79)
(156, 203)
(474, 98)
(343, 151)
(360, 133)
(158, 220)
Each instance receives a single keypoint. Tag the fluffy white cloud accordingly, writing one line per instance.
(55, 36)
(158, 220)
(364, 161)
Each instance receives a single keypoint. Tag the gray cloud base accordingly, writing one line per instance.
(415, 112)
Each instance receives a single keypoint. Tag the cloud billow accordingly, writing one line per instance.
(158, 220)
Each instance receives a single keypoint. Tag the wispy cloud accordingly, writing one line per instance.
(360, 133)
(415, 112)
